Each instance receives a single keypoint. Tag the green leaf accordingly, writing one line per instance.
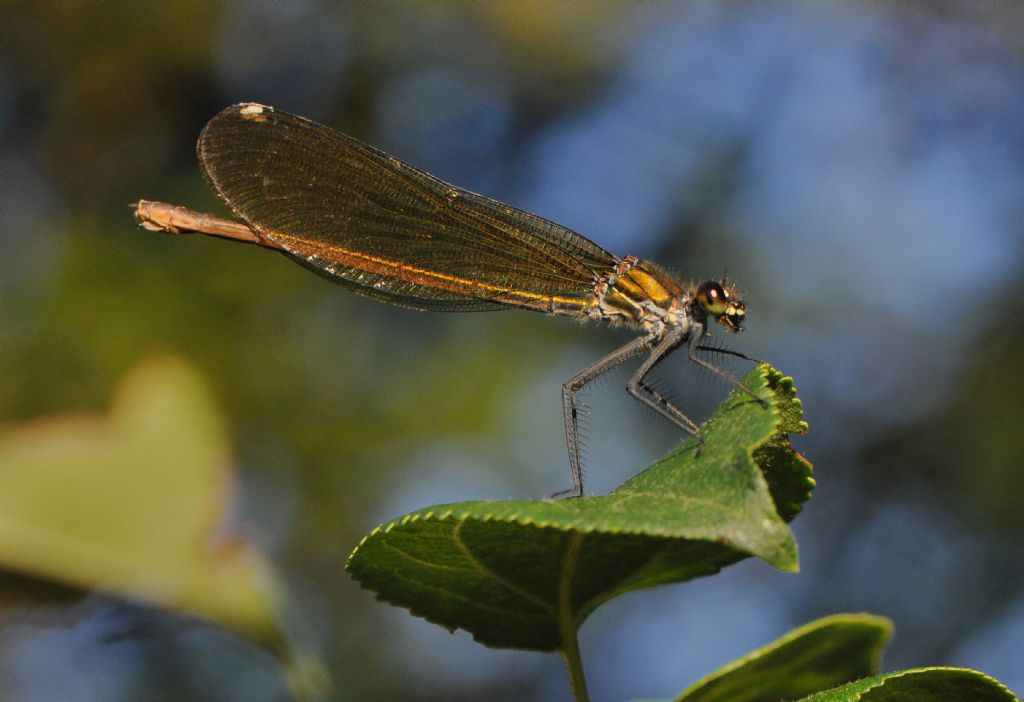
(920, 685)
(134, 504)
(526, 574)
(822, 654)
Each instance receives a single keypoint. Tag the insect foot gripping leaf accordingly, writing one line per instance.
(133, 503)
(526, 574)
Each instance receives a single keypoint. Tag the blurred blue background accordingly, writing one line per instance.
(858, 168)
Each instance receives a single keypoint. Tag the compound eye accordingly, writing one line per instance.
(712, 298)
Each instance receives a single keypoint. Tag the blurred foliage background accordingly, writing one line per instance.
(859, 168)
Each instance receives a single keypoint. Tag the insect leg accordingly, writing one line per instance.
(571, 406)
(728, 352)
(695, 346)
(650, 397)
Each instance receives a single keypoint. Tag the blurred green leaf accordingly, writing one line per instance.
(134, 504)
(824, 653)
(525, 574)
(921, 685)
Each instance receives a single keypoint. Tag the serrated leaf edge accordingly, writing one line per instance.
(880, 680)
(775, 384)
(882, 624)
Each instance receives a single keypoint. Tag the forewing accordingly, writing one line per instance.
(383, 228)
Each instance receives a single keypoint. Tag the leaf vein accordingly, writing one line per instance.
(468, 553)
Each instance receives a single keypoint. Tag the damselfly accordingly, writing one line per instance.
(384, 229)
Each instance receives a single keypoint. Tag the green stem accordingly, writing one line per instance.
(567, 622)
(571, 656)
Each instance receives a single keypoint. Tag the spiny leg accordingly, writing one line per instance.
(728, 352)
(695, 346)
(650, 397)
(570, 405)
(665, 408)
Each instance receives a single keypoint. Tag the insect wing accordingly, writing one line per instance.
(383, 228)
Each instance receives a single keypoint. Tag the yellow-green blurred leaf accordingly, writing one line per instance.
(135, 503)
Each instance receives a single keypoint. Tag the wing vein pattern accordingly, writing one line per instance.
(384, 229)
